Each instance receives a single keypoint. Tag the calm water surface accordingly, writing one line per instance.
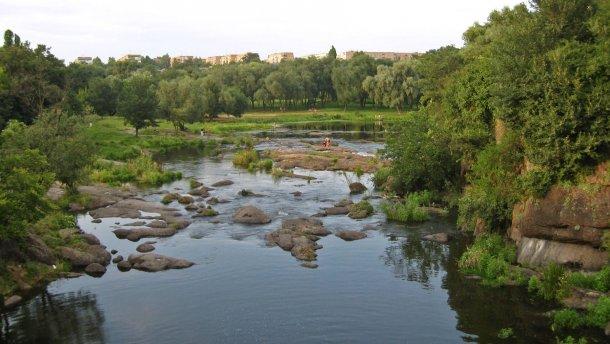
(391, 287)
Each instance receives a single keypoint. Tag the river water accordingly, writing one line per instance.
(391, 287)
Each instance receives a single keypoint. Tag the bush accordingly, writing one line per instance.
(505, 333)
(599, 314)
(381, 176)
(550, 285)
(493, 188)
(489, 257)
(143, 171)
(420, 156)
(410, 209)
(360, 210)
(245, 157)
(567, 319)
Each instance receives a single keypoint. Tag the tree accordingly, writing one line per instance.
(251, 57)
(103, 94)
(332, 53)
(348, 79)
(137, 101)
(233, 101)
(394, 86)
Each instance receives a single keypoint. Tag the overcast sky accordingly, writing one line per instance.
(177, 27)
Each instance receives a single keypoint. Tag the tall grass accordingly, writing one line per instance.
(142, 170)
(408, 210)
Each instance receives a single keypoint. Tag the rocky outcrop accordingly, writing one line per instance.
(298, 236)
(146, 247)
(95, 269)
(325, 159)
(82, 258)
(12, 301)
(540, 252)
(37, 250)
(567, 226)
(102, 195)
(133, 208)
(251, 215)
(152, 262)
(360, 210)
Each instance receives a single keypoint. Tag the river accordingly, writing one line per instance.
(390, 287)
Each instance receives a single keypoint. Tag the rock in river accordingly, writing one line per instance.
(442, 238)
(351, 235)
(139, 233)
(12, 301)
(95, 269)
(298, 236)
(356, 188)
(225, 182)
(124, 265)
(117, 259)
(93, 254)
(153, 262)
(146, 247)
(251, 215)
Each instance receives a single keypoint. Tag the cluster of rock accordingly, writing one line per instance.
(298, 236)
(325, 159)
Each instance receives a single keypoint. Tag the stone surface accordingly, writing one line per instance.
(78, 258)
(581, 298)
(442, 238)
(100, 195)
(12, 301)
(152, 262)
(336, 211)
(356, 188)
(95, 269)
(90, 239)
(251, 215)
(540, 252)
(136, 234)
(348, 235)
(325, 159)
(117, 259)
(96, 221)
(157, 224)
(124, 265)
(225, 182)
(36, 249)
(309, 265)
(145, 247)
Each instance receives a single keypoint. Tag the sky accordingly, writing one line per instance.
(206, 28)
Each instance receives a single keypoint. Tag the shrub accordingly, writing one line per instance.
(360, 210)
(493, 188)
(599, 314)
(404, 212)
(245, 157)
(489, 257)
(142, 170)
(550, 284)
(381, 176)
(567, 319)
(505, 333)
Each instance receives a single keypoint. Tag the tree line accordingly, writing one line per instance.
(33, 80)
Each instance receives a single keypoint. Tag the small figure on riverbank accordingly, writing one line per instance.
(326, 143)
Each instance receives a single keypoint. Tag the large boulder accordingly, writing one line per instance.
(360, 210)
(95, 269)
(224, 182)
(301, 226)
(348, 235)
(442, 238)
(37, 250)
(90, 239)
(298, 236)
(82, 258)
(124, 265)
(136, 234)
(251, 215)
(146, 247)
(134, 208)
(336, 211)
(540, 252)
(356, 188)
(153, 262)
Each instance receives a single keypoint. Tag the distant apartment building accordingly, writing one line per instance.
(279, 57)
(180, 59)
(84, 59)
(378, 55)
(131, 57)
(225, 59)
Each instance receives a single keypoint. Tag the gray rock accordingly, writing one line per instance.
(124, 265)
(309, 265)
(38, 250)
(344, 203)
(117, 259)
(153, 262)
(90, 239)
(442, 238)
(225, 182)
(139, 233)
(336, 211)
(93, 254)
(96, 221)
(356, 188)
(157, 224)
(135, 224)
(250, 215)
(201, 191)
(348, 235)
(113, 252)
(95, 269)
(12, 301)
(145, 247)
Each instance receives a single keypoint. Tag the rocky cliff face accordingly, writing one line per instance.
(568, 226)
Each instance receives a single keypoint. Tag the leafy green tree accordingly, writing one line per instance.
(348, 78)
(137, 101)
(332, 53)
(233, 101)
(251, 57)
(395, 86)
(103, 94)
(210, 89)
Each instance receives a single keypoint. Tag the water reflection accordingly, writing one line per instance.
(416, 260)
(72, 317)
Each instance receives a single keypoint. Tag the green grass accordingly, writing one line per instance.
(598, 315)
